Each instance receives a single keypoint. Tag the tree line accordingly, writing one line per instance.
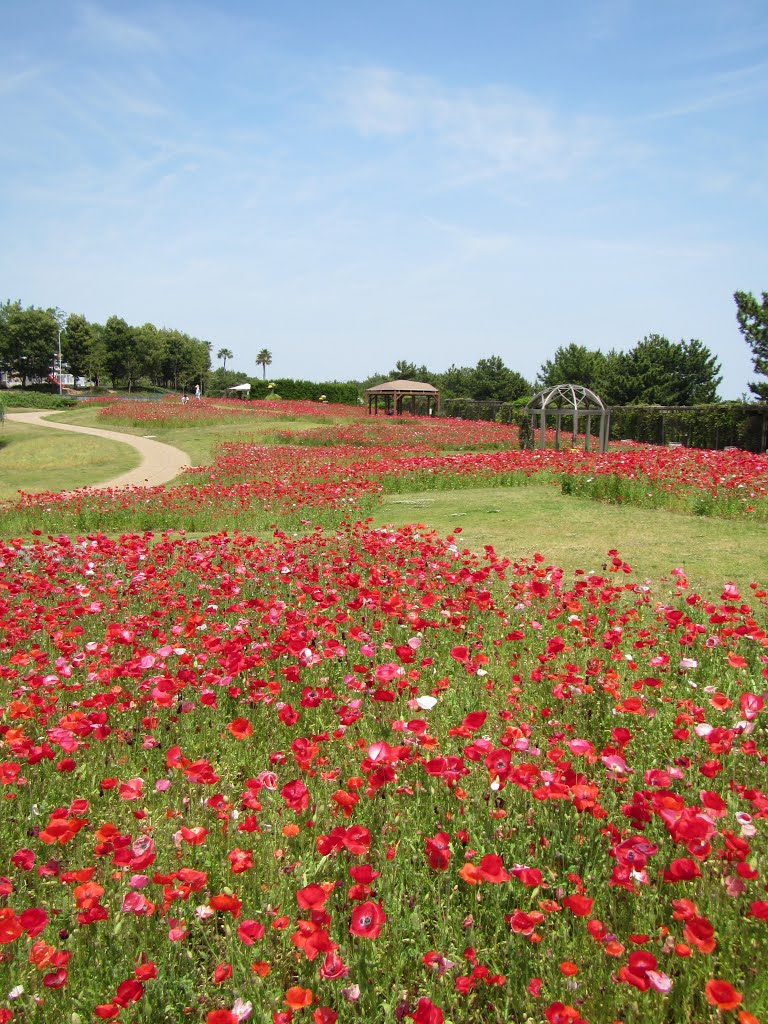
(655, 371)
(115, 350)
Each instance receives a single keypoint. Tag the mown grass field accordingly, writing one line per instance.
(34, 459)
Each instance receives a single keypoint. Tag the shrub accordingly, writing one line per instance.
(17, 399)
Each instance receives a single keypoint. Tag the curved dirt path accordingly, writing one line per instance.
(159, 462)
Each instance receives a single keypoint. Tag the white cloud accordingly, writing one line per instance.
(109, 30)
(12, 81)
(493, 131)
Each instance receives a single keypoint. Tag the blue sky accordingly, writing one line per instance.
(348, 184)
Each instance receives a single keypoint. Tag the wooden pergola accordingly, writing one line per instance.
(573, 401)
(395, 392)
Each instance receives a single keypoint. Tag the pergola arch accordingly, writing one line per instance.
(394, 392)
(572, 400)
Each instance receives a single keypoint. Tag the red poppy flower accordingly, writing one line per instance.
(132, 789)
(333, 967)
(129, 991)
(297, 998)
(581, 906)
(240, 728)
(296, 795)
(104, 1011)
(56, 979)
(561, 1013)
(221, 972)
(491, 869)
(324, 1015)
(145, 972)
(438, 851)
(426, 1012)
(367, 920)
(228, 904)
(240, 860)
(700, 932)
(722, 994)
(221, 1017)
(683, 869)
(33, 920)
(311, 897)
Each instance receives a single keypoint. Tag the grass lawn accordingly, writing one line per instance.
(34, 459)
(575, 533)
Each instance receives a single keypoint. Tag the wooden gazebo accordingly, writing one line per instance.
(396, 392)
(573, 402)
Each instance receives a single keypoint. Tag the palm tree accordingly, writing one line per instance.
(264, 359)
(224, 354)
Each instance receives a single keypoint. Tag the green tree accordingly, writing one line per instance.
(124, 362)
(264, 359)
(29, 341)
(698, 374)
(96, 362)
(150, 349)
(224, 354)
(186, 360)
(76, 342)
(752, 317)
(455, 382)
(406, 370)
(7, 310)
(220, 379)
(572, 364)
(658, 371)
(492, 380)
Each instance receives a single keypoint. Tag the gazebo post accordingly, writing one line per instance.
(542, 428)
(605, 426)
(588, 432)
(559, 414)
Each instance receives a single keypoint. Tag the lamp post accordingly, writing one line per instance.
(58, 331)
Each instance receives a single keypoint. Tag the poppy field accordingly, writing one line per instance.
(345, 772)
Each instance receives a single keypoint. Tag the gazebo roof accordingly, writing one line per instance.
(571, 396)
(413, 386)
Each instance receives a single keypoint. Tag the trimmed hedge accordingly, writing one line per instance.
(335, 392)
(18, 399)
(728, 424)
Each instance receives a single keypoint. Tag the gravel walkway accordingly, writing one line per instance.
(159, 462)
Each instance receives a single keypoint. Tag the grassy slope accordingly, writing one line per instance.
(36, 459)
(576, 533)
